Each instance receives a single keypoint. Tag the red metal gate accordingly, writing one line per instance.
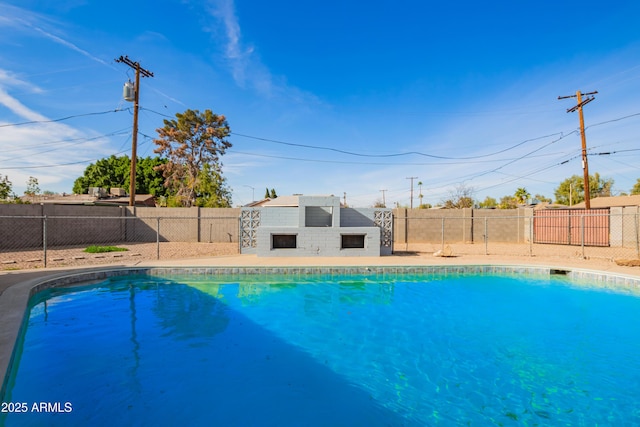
(571, 227)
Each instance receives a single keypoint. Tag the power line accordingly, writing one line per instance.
(562, 135)
(348, 162)
(418, 153)
(62, 119)
(61, 164)
(54, 149)
(62, 141)
(522, 157)
(408, 153)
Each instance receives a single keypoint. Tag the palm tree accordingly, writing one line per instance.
(420, 192)
(522, 195)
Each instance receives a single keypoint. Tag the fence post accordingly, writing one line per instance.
(158, 238)
(486, 236)
(44, 240)
(531, 235)
(406, 230)
(240, 233)
(637, 236)
(582, 234)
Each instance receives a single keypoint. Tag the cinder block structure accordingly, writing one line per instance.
(315, 226)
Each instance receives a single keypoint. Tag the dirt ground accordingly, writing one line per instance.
(460, 252)
(75, 256)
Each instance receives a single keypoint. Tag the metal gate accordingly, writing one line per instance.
(571, 227)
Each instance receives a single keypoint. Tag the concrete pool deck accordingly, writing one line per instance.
(16, 285)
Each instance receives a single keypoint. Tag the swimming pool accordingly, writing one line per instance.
(329, 349)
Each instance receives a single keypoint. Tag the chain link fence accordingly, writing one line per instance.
(587, 236)
(58, 241)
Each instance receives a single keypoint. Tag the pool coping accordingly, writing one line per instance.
(14, 300)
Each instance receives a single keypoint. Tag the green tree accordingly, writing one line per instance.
(149, 179)
(571, 190)
(114, 172)
(636, 187)
(508, 202)
(32, 187)
(189, 142)
(109, 172)
(212, 190)
(6, 187)
(600, 187)
(521, 195)
(489, 202)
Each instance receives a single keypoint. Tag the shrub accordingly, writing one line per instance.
(99, 249)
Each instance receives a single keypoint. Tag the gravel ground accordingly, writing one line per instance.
(140, 252)
(75, 256)
(525, 250)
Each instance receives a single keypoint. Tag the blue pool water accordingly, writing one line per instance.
(346, 351)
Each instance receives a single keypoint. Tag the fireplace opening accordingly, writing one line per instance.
(284, 241)
(353, 241)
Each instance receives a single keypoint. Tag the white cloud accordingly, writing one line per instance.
(245, 64)
(21, 18)
(8, 78)
(35, 149)
(70, 45)
(239, 58)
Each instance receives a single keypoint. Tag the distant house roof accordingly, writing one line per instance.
(60, 199)
(257, 203)
(609, 202)
(280, 202)
(140, 200)
(549, 205)
(284, 201)
(87, 199)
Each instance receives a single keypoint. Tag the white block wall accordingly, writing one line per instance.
(318, 241)
(319, 223)
(281, 216)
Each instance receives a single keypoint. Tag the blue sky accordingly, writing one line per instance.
(330, 97)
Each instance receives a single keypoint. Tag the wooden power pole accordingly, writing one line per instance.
(585, 163)
(134, 137)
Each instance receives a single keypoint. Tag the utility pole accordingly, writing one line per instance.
(345, 198)
(134, 137)
(570, 193)
(585, 163)
(412, 178)
(384, 202)
(253, 198)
